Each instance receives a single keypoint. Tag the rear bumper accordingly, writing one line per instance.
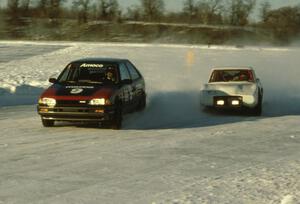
(84, 114)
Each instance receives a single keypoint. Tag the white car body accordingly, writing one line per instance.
(246, 93)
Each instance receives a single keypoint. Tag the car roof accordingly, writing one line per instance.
(99, 59)
(232, 68)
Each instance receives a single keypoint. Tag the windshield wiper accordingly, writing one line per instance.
(68, 81)
(89, 81)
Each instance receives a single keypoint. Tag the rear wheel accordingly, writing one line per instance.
(257, 111)
(48, 123)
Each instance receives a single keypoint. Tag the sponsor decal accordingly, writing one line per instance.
(79, 87)
(76, 91)
(85, 65)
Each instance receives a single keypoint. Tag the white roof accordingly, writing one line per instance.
(232, 68)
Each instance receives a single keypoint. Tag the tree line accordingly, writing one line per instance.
(281, 22)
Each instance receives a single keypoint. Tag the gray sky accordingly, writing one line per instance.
(176, 5)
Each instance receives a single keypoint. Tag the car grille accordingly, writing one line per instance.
(71, 103)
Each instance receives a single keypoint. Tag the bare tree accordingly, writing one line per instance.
(239, 11)
(109, 9)
(265, 7)
(152, 9)
(284, 23)
(93, 14)
(82, 7)
(134, 13)
(13, 7)
(210, 11)
(54, 9)
(114, 11)
(42, 8)
(190, 9)
(25, 8)
(13, 12)
(15, 22)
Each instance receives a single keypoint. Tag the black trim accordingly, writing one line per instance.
(76, 113)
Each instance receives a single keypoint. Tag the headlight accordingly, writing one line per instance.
(235, 102)
(220, 102)
(99, 102)
(51, 102)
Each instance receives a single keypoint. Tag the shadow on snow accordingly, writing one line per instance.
(23, 95)
(171, 110)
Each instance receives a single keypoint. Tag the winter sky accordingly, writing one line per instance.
(176, 5)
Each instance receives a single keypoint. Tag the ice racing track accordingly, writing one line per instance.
(173, 152)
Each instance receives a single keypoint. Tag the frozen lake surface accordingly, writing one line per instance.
(173, 152)
(17, 52)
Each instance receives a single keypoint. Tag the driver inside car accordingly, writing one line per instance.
(110, 76)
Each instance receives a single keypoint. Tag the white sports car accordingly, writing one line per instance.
(233, 87)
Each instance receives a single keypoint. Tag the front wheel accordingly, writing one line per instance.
(116, 122)
(48, 123)
(142, 103)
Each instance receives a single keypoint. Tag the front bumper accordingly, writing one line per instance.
(248, 101)
(228, 102)
(84, 114)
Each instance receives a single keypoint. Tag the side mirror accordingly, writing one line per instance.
(53, 80)
(127, 81)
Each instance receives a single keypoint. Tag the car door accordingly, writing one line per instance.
(126, 90)
(138, 83)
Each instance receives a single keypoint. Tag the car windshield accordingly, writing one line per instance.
(90, 72)
(231, 75)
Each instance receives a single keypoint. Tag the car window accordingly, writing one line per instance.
(90, 72)
(134, 74)
(231, 75)
(69, 74)
(124, 74)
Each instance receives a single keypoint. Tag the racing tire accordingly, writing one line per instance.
(142, 103)
(257, 111)
(48, 123)
(116, 123)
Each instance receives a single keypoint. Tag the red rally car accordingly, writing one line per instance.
(93, 90)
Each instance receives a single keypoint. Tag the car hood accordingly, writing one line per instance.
(231, 88)
(80, 92)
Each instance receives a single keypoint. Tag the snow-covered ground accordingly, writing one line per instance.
(173, 152)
